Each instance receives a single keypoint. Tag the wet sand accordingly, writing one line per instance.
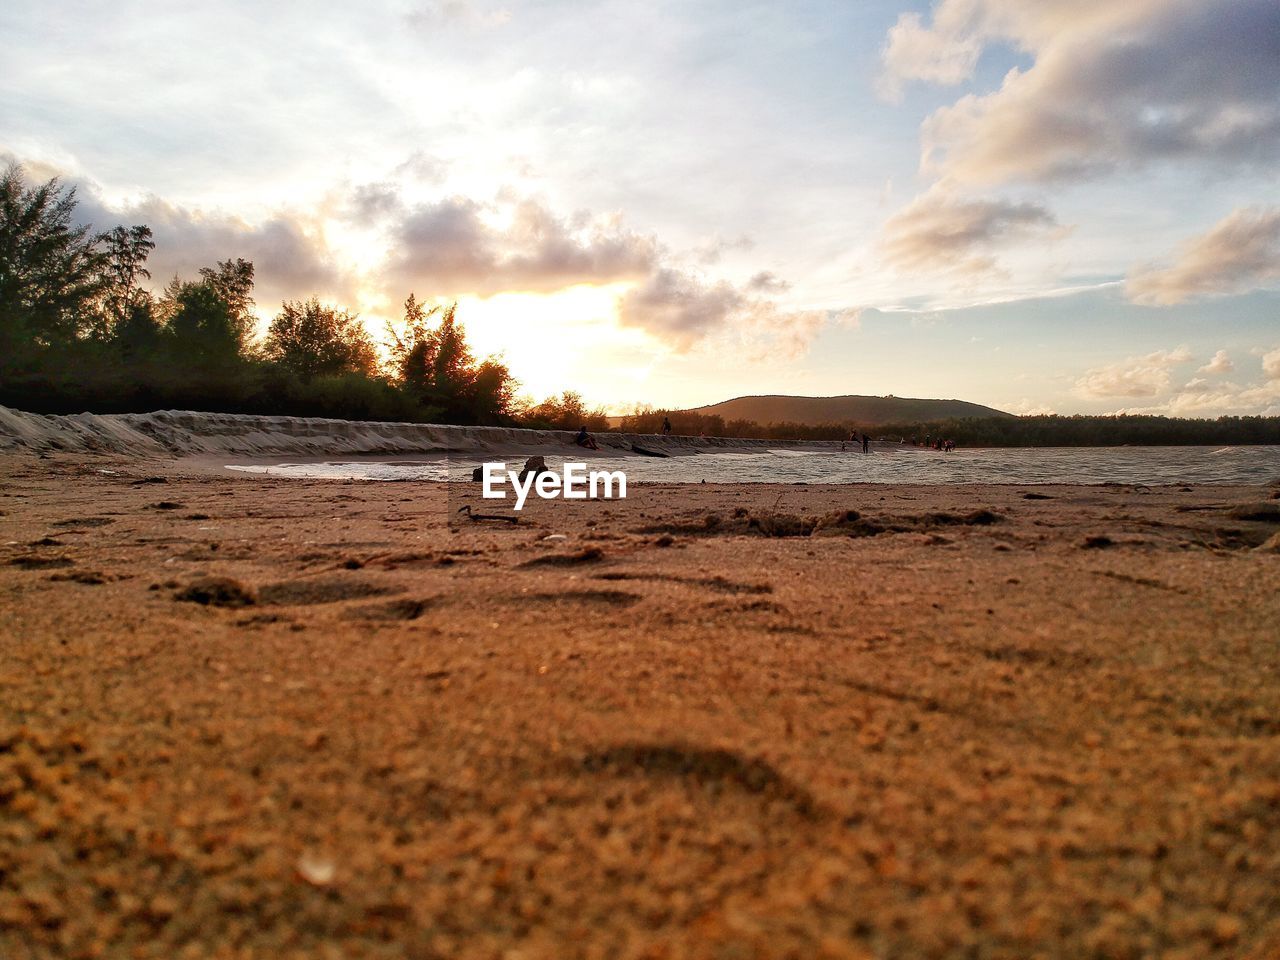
(250, 717)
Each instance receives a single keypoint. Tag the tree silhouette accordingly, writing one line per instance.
(138, 336)
(412, 352)
(202, 332)
(50, 271)
(232, 281)
(124, 257)
(311, 340)
(436, 367)
(567, 412)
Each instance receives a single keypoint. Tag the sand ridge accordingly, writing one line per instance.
(246, 716)
(192, 434)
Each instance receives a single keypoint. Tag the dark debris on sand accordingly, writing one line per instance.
(217, 592)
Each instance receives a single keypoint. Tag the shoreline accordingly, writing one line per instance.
(183, 433)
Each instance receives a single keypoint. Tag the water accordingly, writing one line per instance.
(887, 464)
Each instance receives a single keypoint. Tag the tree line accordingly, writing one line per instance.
(1052, 430)
(1048, 430)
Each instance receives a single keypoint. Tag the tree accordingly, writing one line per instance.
(50, 270)
(566, 412)
(453, 366)
(232, 280)
(138, 335)
(124, 257)
(200, 327)
(436, 367)
(312, 339)
(492, 391)
(412, 353)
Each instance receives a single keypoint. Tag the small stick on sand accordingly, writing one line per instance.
(486, 516)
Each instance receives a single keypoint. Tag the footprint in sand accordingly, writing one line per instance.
(699, 765)
(393, 610)
(608, 598)
(318, 590)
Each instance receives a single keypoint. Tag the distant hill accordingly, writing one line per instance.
(863, 411)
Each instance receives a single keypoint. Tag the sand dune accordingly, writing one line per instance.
(188, 433)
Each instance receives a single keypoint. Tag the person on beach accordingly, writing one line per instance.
(866, 444)
(584, 439)
(666, 426)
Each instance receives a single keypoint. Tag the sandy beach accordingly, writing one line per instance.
(243, 716)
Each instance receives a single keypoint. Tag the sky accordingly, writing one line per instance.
(1066, 206)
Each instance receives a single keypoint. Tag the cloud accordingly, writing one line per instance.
(371, 203)
(1271, 364)
(1026, 407)
(1112, 86)
(424, 167)
(434, 14)
(1221, 363)
(713, 250)
(1260, 399)
(939, 231)
(1147, 376)
(680, 309)
(1199, 397)
(288, 250)
(945, 54)
(766, 282)
(458, 245)
(1241, 252)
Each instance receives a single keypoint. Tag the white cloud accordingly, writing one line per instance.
(1026, 407)
(1271, 364)
(1241, 252)
(1221, 363)
(435, 14)
(1151, 377)
(1147, 376)
(941, 231)
(945, 54)
(1260, 399)
(458, 245)
(680, 309)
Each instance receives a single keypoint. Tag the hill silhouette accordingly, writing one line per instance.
(864, 411)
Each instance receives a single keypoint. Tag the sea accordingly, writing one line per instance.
(884, 464)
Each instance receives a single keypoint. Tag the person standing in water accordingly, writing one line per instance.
(866, 444)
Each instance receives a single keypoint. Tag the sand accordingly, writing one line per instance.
(242, 716)
(196, 434)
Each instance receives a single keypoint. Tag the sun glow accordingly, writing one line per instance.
(558, 341)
